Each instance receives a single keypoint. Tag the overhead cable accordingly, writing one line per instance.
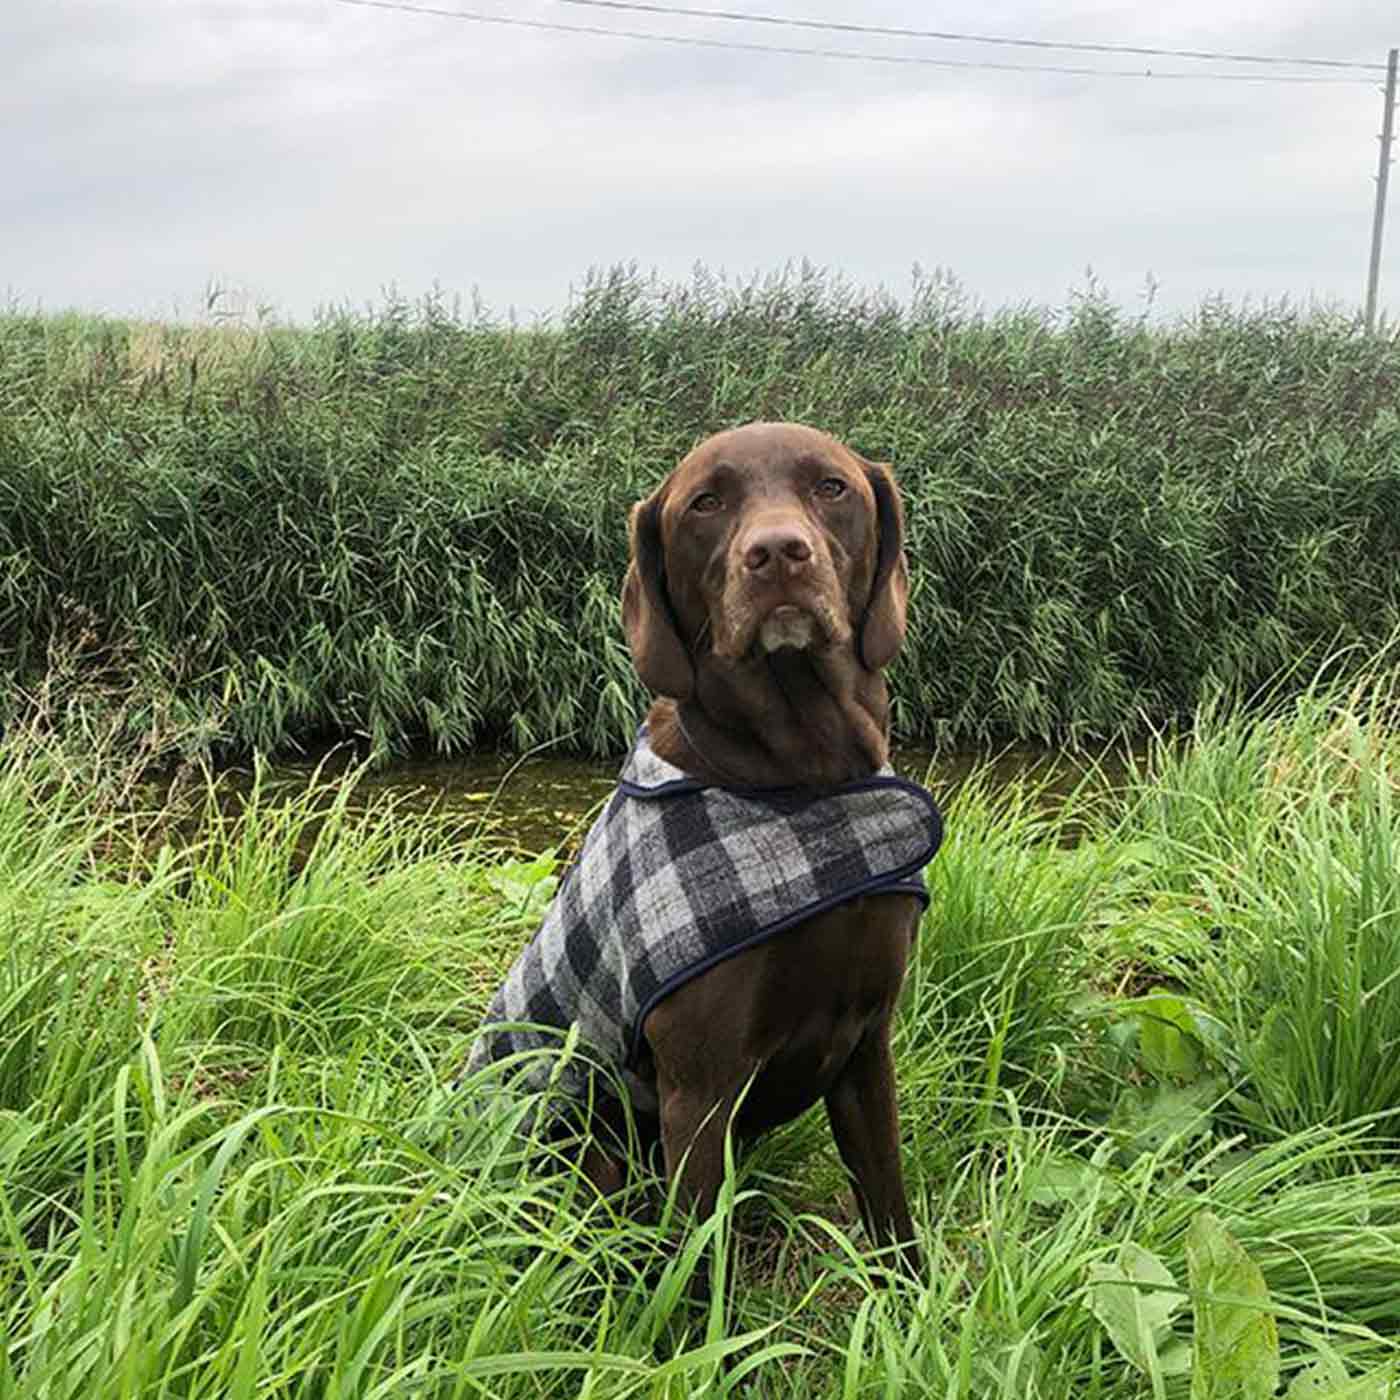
(910, 60)
(897, 32)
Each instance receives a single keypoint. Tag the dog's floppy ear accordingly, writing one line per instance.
(882, 628)
(652, 636)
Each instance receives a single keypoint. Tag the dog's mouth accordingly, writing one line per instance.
(752, 624)
(810, 625)
(788, 626)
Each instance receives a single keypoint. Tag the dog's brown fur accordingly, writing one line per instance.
(766, 593)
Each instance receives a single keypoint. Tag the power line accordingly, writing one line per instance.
(894, 32)
(910, 60)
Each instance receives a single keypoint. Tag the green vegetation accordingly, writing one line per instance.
(1147, 1070)
(409, 524)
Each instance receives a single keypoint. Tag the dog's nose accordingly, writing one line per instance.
(775, 542)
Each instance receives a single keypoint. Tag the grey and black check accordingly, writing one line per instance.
(674, 877)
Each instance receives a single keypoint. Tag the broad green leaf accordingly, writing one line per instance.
(1134, 1299)
(1174, 1359)
(529, 885)
(1168, 1041)
(1145, 1122)
(16, 1132)
(1324, 1377)
(1236, 1338)
(1327, 1380)
(1065, 1180)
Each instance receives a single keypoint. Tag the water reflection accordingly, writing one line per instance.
(535, 803)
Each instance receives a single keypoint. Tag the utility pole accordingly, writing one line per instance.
(1382, 183)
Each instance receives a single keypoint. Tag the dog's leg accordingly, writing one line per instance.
(610, 1135)
(865, 1123)
(693, 1126)
(605, 1172)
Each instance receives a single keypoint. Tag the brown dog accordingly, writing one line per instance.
(765, 594)
(734, 935)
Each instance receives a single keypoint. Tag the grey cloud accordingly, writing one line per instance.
(314, 152)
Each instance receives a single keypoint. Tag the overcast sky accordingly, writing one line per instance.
(304, 152)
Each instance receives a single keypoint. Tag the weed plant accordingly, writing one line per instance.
(1146, 1059)
(408, 524)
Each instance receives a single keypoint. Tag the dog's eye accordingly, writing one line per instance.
(832, 489)
(706, 503)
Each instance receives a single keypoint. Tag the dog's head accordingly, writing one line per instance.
(768, 537)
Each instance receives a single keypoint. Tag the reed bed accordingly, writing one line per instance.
(1146, 1058)
(407, 524)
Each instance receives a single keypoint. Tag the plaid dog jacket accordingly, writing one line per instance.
(674, 877)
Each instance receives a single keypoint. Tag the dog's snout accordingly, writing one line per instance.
(775, 542)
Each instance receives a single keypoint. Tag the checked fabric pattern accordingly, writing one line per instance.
(676, 876)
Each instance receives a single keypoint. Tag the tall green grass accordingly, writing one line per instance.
(408, 524)
(1279, 843)
(231, 1162)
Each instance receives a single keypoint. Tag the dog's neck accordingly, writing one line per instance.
(788, 719)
